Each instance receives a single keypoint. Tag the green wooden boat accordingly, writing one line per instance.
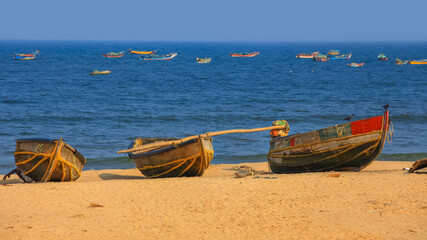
(345, 147)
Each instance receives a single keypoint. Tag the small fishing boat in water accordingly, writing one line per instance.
(320, 58)
(96, 72)
(334, 52)
(245, 54)
(343, 147)
(400, 62)
(418, 62)
(44, 160)
(159, 57)
(307, 55)
(186, 159)
(141, 52)
(114, 54)
(356, 64)
(203, 60)
(382, 57)
(343, 56)
(26, 56)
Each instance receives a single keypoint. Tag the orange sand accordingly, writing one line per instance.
(381, 202)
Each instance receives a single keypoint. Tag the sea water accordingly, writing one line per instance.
(53, 96)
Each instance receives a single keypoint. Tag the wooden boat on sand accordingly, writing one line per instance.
(345, 147)
(44, 160)
(114, 54)
(307, 55)
(159, 57)
(418, 62)
(96, 72)
(186, 159)
(141, 52)
(245, 54)
(26, 56)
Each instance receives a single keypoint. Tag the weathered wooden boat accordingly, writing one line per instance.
(400, 62)
(334, 52)
(203, 60)
(45, 160)
(345, 147)
(307, 55)
(356, 64)
(159, 57)
(343, 56)
(382, 57)
(26, 56)
(186, 159)
(418, 62)
(420, 164)
(114, 54)
(245, 54)
(96, 72)
(141, 52)
(320, 58)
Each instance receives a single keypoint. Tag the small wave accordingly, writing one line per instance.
(402, 156)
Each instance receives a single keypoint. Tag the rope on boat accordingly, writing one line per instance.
(179, 161)
(390, 132)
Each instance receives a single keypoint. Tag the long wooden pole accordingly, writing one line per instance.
(210, 134)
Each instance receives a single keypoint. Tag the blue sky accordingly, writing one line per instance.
(214, 20)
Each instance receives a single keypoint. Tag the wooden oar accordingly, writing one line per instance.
(150, 146)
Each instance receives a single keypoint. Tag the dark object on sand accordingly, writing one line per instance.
(45, 160)
(422, 163)
(186, 159)
(346, 147)
(349, 118)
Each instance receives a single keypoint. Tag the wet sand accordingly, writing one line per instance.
(380, 202)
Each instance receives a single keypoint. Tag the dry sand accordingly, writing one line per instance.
(380, 202)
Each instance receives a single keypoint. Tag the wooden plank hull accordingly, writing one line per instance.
(188, 159)
(48, 160)
(346, 147)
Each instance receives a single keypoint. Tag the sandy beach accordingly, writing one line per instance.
(380, 202)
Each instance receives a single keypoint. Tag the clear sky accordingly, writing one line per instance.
(214, 20)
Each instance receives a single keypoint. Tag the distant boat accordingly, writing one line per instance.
(356, 64)
(334, 52)
(400, 62)
(141, 52)
(307, 55)
(159, 57)
(26, 56)
(96, 72)
(418, 62)
(349, 146)
(382, 57)
(343, 56)
(203, 60)
(245, 54)
(114, 54)
(320, 58)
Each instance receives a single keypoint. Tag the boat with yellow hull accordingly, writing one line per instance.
(141, 52)
(418, 62)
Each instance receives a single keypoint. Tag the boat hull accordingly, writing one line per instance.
(48, 160)
(418, 62)
(244, 55)
(172, 55)
(347, 147)
(188, 159)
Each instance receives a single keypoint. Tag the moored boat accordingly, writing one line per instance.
(320, 58)
(345, 147)
(307, 55)
(334, 52)
(382, 57)
(186, 159)
(96, 72)
(141, 52)
(114, 54)
(356, 64)
(245, 54)
(159, 57)
(26, 56)
(400, 62)
(418, 62)
(343, 56)
(203, 60)
(44, 160)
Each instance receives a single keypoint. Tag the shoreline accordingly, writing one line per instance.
(380, 202)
